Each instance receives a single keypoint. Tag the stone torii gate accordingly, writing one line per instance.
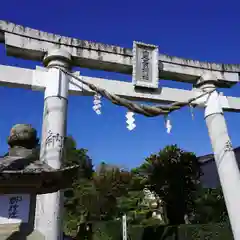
(60, 53)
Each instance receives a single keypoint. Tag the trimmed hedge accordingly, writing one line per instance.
(113, 231)
(206, 232)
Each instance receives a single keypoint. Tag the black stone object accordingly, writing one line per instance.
(21, 171)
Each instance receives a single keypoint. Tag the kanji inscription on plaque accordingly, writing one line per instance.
(145, 65)
(14, 208)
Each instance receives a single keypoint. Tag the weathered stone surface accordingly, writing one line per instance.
(23, 135)
(32, 44)
(21, 171)
(19, 232)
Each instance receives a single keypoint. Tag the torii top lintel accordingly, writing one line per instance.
(32, 44)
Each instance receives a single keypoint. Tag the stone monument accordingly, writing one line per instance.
(22, 177)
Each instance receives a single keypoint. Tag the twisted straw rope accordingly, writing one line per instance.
(146, 110)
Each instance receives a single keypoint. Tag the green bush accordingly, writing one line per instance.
(206, 232)
(107, 230)
(113, 231)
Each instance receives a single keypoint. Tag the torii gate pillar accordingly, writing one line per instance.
(50, 206)
(224, 155)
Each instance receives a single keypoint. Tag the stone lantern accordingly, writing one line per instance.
(22, 177)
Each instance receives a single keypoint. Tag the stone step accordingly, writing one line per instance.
(18, 236)
(11, 231)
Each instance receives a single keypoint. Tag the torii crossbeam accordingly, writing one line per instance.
(60, 53)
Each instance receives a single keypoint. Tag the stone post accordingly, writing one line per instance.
(224, 155)
(50, 206)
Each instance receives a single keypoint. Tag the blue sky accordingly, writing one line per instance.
(201, 30)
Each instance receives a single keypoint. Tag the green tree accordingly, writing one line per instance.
(210, 207)
(111, 183)
(75, 156)
(96, 198)
(132, 203)
(173, 175)
(78, 198)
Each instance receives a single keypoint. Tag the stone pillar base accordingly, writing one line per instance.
(19, 232)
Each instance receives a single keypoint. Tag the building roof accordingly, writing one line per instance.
(210, 157)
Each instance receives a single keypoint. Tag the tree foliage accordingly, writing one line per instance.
(75, 156)
(107, 192)
(98, 198)
(210, 207)
(174, 175)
